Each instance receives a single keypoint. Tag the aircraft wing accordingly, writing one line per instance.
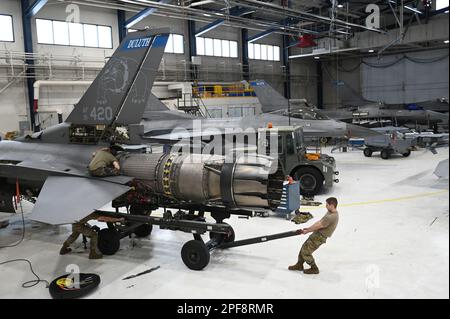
(68, 199)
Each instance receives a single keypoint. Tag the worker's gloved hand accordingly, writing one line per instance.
(106, 219)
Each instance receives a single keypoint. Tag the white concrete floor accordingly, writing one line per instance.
(392, 242)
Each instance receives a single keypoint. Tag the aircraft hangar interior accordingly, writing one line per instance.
(224, 149)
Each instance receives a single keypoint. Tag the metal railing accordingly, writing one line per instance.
(46, 66)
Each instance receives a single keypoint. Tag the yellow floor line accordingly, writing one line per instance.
(398, 199)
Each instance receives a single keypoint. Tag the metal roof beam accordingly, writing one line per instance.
(142, 15)
(35, 8)
(261, 35)
(235, 11)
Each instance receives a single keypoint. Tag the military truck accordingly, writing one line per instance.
(314, 171)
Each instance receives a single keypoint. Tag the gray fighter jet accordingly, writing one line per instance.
(379, 114)
(162, 124)
(50, 167)
(316, 122)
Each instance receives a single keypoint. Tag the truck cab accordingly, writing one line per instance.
(314, 171)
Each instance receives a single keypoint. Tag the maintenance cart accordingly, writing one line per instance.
(388, 144)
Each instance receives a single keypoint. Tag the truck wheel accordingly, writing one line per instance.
(143, 230)
(310, 179)
(385, 154)
(367, 152)
(407, 153)
(108, 241)
(195, 255)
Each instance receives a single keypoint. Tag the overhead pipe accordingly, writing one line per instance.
(276, 9)
(195, 15)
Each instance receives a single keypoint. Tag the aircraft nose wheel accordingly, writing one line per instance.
(195, 255)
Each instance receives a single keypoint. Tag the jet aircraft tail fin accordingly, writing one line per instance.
(122, 89)
(269, 98)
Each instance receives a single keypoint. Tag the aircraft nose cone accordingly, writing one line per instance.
(359, 131)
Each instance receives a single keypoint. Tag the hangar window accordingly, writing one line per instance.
(263, 52)
(73, 34)
(6, 25)
(61, 32)
(104, 37)
(441, 4)
(76, 34)
(217, 47)
(175, 43)
(233, 49)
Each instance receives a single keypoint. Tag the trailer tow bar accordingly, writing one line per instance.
(257, 240)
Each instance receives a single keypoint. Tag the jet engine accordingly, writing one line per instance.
(245, 182)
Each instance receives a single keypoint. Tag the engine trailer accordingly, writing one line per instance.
(194, 253)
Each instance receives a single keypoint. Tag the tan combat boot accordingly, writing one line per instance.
(64, 250)
(314, 270)
(94, 255)
(297, 266)
(93, 252)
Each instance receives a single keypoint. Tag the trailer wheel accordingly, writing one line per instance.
(385, 154)
(223, 238)
(143, 230)
(407, 153)
(311, 181)
(367, 152)
(195, 255)
(108, 241)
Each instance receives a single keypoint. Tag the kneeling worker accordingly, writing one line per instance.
(83, 228)
(321, 230)
(104, 163)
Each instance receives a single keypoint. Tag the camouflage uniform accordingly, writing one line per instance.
(102, 164)
(105, 171)
(311, 245)
(83, 228)
(317, 239)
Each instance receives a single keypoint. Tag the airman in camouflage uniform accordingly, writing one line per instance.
(321, 230)
(104, 163)
(83, 228)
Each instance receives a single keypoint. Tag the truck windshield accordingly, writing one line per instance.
(290, 146)
(299, 140)
(269, 139)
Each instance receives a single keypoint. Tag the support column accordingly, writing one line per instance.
(192, 49)
(28, 45)
(319, 72)
(244, 52)
(285, 54)
(121, 24)
(286, 67)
